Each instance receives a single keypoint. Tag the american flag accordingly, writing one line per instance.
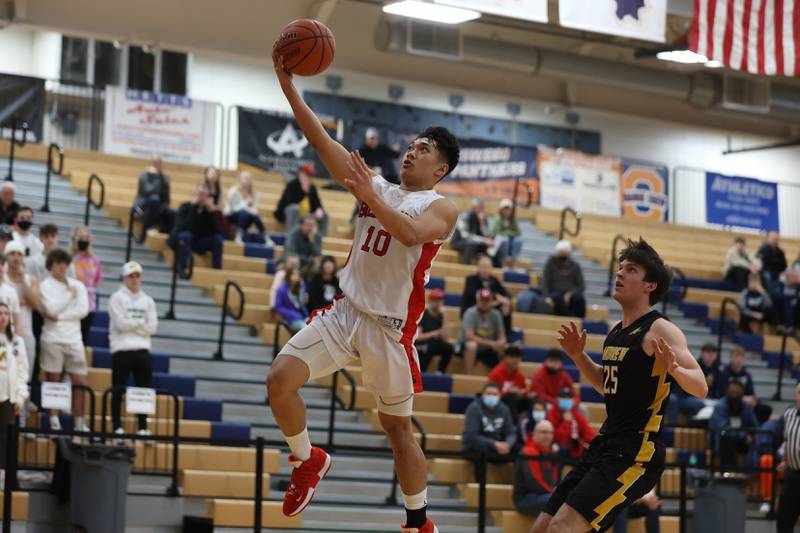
(759, 36)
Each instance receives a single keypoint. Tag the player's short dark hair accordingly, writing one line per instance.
(656, 271)
(554, 353)
(446, 143)
(709, 347)
(57, 256)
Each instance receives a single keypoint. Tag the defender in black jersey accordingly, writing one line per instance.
(642, 356)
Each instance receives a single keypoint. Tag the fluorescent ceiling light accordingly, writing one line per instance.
(431, 12)
(713, 63)
(682, 56)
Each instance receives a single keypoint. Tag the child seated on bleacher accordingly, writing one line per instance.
(756, 305)
(573, 434)
(290, 302)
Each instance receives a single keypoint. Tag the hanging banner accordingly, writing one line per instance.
(22, 98)
(586, 183)
(644, 191)
(142, 124)
(742, 202)
(533, 10)
(637, 19)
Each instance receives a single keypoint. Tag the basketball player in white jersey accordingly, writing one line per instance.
(398, 232)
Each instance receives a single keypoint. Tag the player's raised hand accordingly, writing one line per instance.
(284, 76)
(572, 341)
(665, 354)
(360, 181)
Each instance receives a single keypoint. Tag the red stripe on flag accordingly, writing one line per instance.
(694, 39)
(748, 6)
(712, 11)
(760, 42)
(727, 41)
(796, 35)
(779, 37)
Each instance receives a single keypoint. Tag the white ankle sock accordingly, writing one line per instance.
(300, 445)
(416, 501)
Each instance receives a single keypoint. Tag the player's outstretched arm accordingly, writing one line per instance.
(333, 155)
(668, 344)
(574, 344)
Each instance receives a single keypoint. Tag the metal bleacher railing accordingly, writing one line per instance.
(90, 201)
(176, 273)
(563, 229)
(17, 124)
(226, 312)
(136, 216)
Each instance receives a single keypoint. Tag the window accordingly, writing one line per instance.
(141, 69)
(74, 60)
(173, 73)
(106, 63)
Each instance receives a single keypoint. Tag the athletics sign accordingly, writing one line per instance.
(742, 202)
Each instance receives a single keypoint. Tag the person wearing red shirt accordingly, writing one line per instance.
(511, 381)
(572, 431)
(534, 479)
(551, 378)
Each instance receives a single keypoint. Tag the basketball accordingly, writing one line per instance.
(307, 47)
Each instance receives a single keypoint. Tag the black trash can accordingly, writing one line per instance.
(720, 502)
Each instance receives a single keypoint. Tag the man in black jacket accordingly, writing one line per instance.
(300, 198)
(8, 203)
(562, 283)
(380, 157)
(773, 261)
(152, 197)
(197, 226)
(485, 280)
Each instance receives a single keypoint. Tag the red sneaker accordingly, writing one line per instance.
(305, 476)
(429, 527)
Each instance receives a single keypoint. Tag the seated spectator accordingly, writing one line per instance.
(380, 157)
(739, 264)
(787, 307)
(153, 198)
(300, 198)
(471, 236)
(324, 284)
(537, 413)
(736, 371)
(505, 232)
(488, 429)
(535, 480)
(291, 262)
(23, 223)
(241, 209)
(548, 381)
(14, 376)
(88, 270)
(305, 242)
(212, 179)
(756, 305)
(531, 301)
(773, 261)
(732, 413)
(573, 434)
(35, 264)
(6, 235)
(648, 506)
(197, 227)
(64, 304)
(482, 336)
(484, 279)
(686, 404)
(562, 283)
(290, 302)
(8, 203)
(432, 334)
(132, 323)
(507, 376)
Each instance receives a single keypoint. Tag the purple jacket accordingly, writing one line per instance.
(285, 307)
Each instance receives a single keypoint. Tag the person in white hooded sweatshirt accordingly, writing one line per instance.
(13, 378)
(64, 304)
(132, 321)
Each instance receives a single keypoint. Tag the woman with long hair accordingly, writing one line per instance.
(242, 206)
(324, 284)
(290, 302)
(88, 270)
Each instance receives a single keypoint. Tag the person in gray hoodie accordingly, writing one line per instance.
(488, 429)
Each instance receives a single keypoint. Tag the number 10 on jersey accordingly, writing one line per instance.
(380, 245)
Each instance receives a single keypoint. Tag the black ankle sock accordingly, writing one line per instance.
(416, 517)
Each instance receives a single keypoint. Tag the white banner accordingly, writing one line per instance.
(140, 401)
(586, 183)
(57, 396)
(637, 19)
(141, 124)
(533, 10)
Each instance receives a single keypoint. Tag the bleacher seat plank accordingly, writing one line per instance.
(240, 513)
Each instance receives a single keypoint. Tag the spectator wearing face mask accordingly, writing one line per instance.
(551, 378)
(511, 381)
(735, 416)
(573, 432)
(534, 479)
(537, 413)
(488, 428)
(562, 283)
(23, 223)
(88, 270)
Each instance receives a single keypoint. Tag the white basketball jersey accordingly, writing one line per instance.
(382, 276)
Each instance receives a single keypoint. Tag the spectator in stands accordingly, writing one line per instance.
(290, 302)
(471, 236)
(534, 479)
(488, 429)
(8, 203)
(736, 370)
(484, 279)
(432, 337)
(35, 265)
(22, 232)
(6, 235)
(14, 377)
(27, 289)
(787, 306)
(551, 378)
(153, 198)
(680, 402)
(756, 305)
(507, 376)
(305, 242)
(734, 415)
(88, 270)
(324, 284)
(8, 295)
(64, 304)
(291, 262)
(648, 506)
(789, 502)
(133, 320)
(482, 335)
(197, 227)
(537, 413)
(505, 232)
(562, 283)
(739, 264)
(573, 434)
(773, 261)
(380, 157)
(300, 198)
(241, 209)
(213, 180)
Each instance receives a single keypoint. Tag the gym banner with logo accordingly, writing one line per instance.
(143, 123)
(636, 19)
(22, 98)
(742, 202)
(644, 188)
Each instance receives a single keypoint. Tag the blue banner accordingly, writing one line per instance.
(743, 202)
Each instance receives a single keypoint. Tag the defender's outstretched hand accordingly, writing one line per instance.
(665, 354)
(359, 183)
(572, 341)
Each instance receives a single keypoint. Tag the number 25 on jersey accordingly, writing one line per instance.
(380, 245)
(610, 379)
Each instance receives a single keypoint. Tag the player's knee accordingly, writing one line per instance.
(279, 381)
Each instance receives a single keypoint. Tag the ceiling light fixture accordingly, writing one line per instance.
(431, 12)
(682, 56)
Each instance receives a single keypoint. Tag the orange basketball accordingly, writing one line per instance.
(307, 47)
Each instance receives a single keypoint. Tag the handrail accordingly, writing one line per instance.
(782, 362)
(60, 151)
(722, 315)
(617, 238)
(227, 312)
(15, 124)
(677, 273)
(278, 325)
(136, 213)
(94, 178)
(259, 488)
(170, 314)
(563, 230)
